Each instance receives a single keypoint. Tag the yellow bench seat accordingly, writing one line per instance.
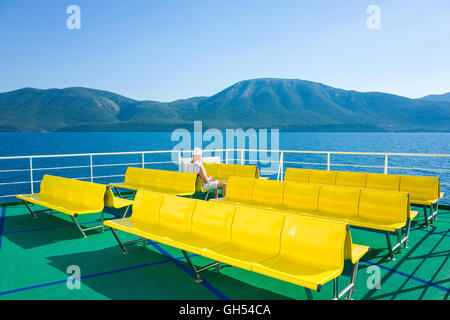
(69, 196)
(357, 222)
(72, 209)
(423, 190)
(244, 237)
(150, 189)
(387, 211)
(163, 181)
(287, 270)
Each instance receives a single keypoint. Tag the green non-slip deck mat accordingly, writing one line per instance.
(35, 255)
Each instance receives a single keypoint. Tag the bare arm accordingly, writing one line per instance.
(203, 175)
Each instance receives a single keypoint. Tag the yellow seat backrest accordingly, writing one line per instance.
(384, 206)
(298, 175)
(314, 242)
(420, 187)
(176, 212)
(239, 189)
(268, 192)
(211, 169)
(71, 191)
(339, 201)
(301, 196)
(109, 198)
(257, 230)
(76, 190)
(184, 182)
(146, 206)
(48, 187)
(245, 171)
(133, 176)
(94, 194)
(381, 181)
(52, 188)
(212, 220)
(164, 180)
(225, 171)
(351, 179)
(322, 177)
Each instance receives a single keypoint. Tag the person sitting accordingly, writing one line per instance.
(209, 183)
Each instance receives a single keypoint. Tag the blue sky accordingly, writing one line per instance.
(167, 50)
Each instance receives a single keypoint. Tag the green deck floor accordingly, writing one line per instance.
(35, 254)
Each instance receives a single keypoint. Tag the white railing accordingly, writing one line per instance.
(89, 164)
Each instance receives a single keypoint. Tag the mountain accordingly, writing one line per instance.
(287, 104)
(437, 97)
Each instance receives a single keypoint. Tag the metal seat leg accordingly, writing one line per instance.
(78, 226)
(29, 209)
(118, 241)
(388, 240)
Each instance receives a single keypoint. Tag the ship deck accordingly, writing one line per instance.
(35, 255)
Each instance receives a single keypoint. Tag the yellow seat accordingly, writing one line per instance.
(353, 251)
(246, 171)
(211, 168)
(351, 179)
(311, 253)
(383, 210)
(303, 251)
(73, 196)
(183, 184)
(322, 177)
(241, 189)
(297, 175)
(338, 202)
(381, 181)
(327, 202)
(301, 196)
(133, 176)
(211, 226)
(69, 196)
(157, 216)
(223, 171)
(146, 207)
(162, 181)
(175, 217)
(268, 193)
(255, 236)
(117, 203)
(422, 190)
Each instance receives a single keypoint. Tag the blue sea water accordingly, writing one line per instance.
(36, 143)
(23, 144)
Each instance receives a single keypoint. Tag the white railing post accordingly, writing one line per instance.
(280, 168)
(328, 161)
(143, 162)
(179, 161)
(226, 155)
(386, 164)
(31, 174)
(242, 157)
(92, 169)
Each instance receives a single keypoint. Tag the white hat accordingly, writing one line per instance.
(197, 152)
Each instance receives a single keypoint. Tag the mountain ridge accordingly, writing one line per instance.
(287, 104)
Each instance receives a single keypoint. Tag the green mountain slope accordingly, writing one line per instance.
(287, 104)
